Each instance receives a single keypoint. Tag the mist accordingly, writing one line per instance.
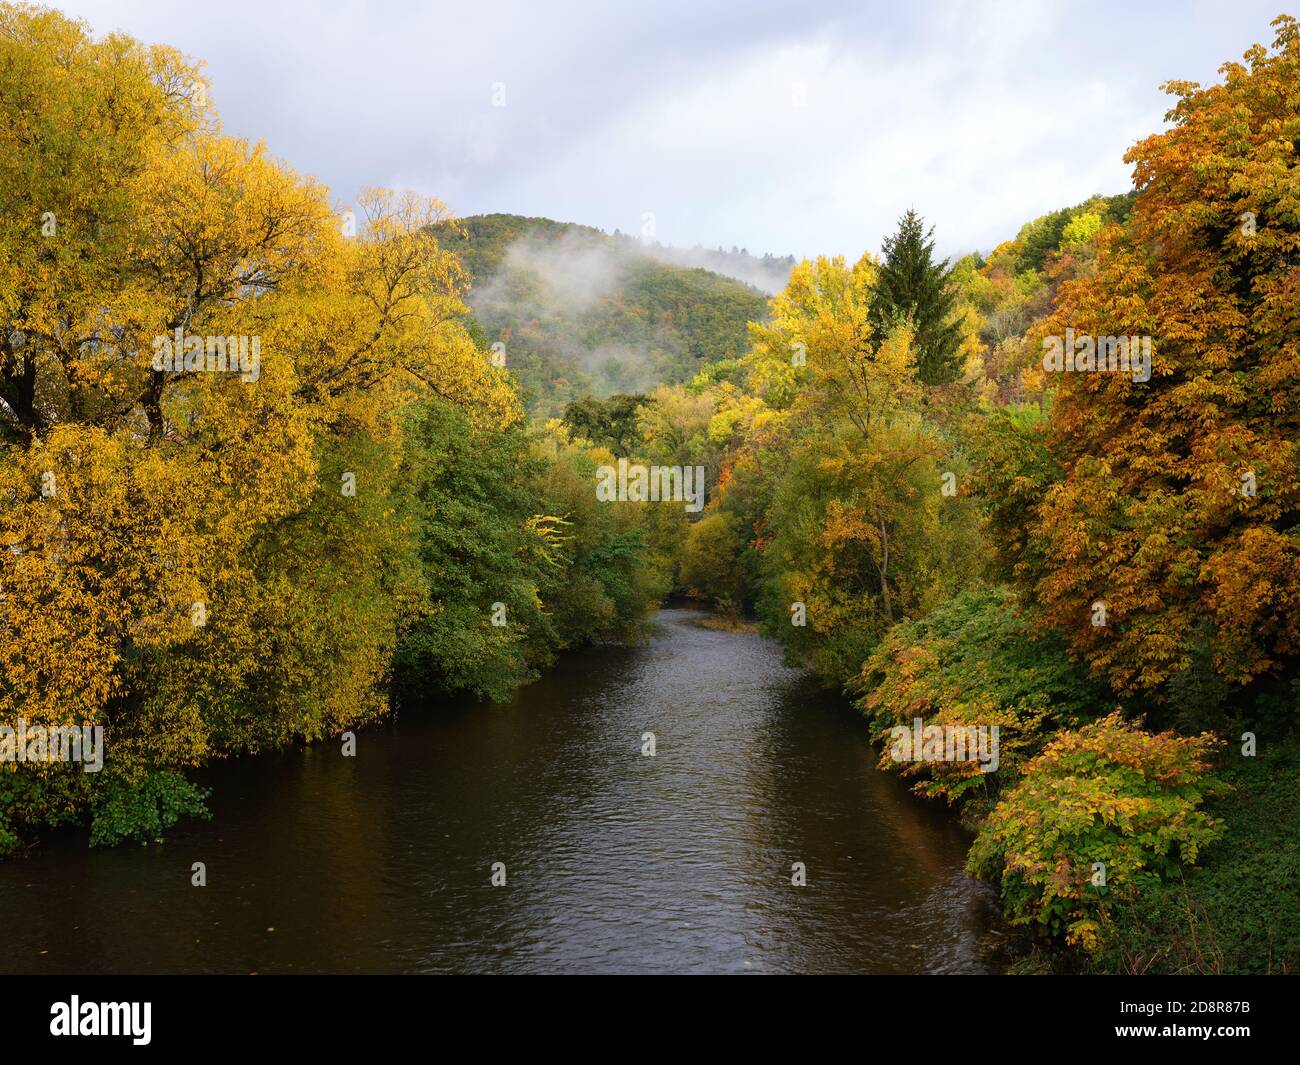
(589, 303)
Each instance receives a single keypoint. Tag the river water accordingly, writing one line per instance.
(614, 861)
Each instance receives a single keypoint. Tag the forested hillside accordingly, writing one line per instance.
(580, 312)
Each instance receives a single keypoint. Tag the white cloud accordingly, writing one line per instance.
(772, 125)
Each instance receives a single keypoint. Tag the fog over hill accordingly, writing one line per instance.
(767, 273)
(581, 311)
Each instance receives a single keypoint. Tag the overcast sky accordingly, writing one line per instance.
(791, 127)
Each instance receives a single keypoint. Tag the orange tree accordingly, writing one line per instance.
(1178, 498)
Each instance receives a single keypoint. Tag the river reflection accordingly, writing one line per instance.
(615, 862)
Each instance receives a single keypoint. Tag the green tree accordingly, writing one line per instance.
(481, 557)
(610, 423)
(708, 561)
(911, 286)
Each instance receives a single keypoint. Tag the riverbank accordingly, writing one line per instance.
(723, 623)
(1118, 844)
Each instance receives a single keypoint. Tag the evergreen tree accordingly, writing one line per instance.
(912, 285)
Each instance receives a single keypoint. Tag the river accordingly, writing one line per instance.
(614, 861)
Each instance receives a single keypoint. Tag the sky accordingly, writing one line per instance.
(791, 128)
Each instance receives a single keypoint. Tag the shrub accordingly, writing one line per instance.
(976, 660)
(142, 810)
(1103, 813)
(1239, 911)
(35, 797)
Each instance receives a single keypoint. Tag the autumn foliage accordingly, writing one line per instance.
(1178, 501)
(1104, 812)
(206, 558)
(1137, 539)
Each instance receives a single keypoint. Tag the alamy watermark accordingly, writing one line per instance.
(1084, 353)
(212, 354)
(945, 743)
(58, 743)
(103, 1018)
(635, 483)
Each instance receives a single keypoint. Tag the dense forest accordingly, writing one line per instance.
(579, 313)
(208, 564)
(902, 488)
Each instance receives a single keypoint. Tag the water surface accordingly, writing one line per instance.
(615, 862)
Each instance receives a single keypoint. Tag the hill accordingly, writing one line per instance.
(582, 312)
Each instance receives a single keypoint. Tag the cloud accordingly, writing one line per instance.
(557, 277)
(779, 127)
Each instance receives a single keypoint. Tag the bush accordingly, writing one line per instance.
(976, 660)
(1102, 814)
(144, 809)
(1239, 911)
(35, 797)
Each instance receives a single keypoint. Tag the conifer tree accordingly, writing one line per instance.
(912, 286)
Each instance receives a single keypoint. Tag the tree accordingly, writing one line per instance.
(911, 287)
(836, 478)
(478, 551)
(610, 423)
(1179, 501)
(205, 556)
(708, 562)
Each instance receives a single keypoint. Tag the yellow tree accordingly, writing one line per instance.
(836, 472)
(201, 384)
